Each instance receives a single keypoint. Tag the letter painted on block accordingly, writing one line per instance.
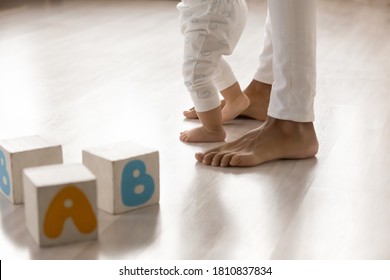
(5, 184)
(72, 203)
(137, 185)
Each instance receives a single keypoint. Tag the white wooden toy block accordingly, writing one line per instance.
(19, 153)
(127, 176)
(61, 204)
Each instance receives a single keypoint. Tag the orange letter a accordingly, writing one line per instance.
(70, 202)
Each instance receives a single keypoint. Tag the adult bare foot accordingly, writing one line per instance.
(259, 96)
(275, 139)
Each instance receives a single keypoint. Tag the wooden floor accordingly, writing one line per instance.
(88, 73)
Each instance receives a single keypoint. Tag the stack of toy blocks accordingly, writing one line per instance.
(61, 200)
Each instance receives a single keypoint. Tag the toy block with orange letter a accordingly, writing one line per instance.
(19, 153)
(60, 204)
(127, 176)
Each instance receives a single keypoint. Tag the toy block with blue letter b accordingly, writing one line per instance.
(19, 153)
(127, 176)
(60, 204)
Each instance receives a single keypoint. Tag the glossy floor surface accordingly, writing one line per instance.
(90, 73)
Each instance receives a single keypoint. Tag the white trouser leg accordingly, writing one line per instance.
(291, 37)
(264, 71)
(211, 29)
(223, 75)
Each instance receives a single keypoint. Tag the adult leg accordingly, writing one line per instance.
(288, 131)
(259, 90)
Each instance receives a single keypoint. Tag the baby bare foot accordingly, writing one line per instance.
(235, 107)
(190, 114)
(203, 134)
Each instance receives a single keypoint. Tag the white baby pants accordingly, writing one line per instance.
(211, 29)
(288, 59)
